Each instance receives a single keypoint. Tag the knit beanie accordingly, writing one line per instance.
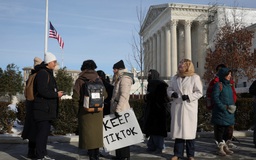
(119, 65)
(37, 61)
(49, 57)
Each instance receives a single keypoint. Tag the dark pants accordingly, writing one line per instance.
(94, 154)
(43, 130)
(228, 134)
(123, 153)
(180, 145)
(220, 132)
(254, 121)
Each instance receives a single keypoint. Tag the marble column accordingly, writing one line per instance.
(168, 50)
(174, 55)
(202, 43)
(154, 51)
(181, 42)
(158, 52)
(151, 52)
(188, 39)
(163, 66)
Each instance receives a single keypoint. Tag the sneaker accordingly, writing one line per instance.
(231, 145)
(46, 158)
(164, 151)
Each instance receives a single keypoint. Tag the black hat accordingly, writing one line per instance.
(88, 64)
(101, 74)
(119, 65)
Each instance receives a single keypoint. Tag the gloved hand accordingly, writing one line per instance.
(184, 97)
(231, 108)
(117, 115)
(174, 95)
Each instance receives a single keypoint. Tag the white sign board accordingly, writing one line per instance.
(122, 131)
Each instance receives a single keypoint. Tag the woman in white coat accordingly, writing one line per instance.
(185, 89)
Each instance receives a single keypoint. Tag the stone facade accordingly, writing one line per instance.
(172, 32)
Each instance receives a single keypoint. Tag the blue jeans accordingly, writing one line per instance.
(155, 143)
(180, 145)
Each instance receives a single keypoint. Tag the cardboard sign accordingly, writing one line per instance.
(122, 131)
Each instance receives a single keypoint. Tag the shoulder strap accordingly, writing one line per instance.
(221, 86)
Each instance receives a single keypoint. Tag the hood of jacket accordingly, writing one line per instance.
(88, 74)
(125, 72)
(153, 75)
(223, 72)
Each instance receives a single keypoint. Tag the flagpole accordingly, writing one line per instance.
(46, 27)
(62, 58)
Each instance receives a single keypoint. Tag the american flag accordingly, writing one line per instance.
(54, 34)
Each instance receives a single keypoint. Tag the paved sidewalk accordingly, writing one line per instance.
(65, 148)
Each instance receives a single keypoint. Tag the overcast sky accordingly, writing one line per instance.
(101, 30)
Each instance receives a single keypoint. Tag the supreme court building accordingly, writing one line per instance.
(172, 32)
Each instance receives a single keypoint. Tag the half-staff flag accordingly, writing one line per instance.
(54, 34)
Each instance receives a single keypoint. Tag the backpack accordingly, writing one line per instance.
(29, 88)
(252, 89)
(209, 103)
(93, 95)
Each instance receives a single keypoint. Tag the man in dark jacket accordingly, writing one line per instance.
(155, 113)
(45, 103)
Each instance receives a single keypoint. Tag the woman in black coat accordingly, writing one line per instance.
(155, 114)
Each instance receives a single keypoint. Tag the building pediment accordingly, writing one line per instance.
(153, 13)
(200, 12)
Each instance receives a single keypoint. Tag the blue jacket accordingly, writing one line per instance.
(222, 97)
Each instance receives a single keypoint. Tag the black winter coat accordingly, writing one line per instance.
(155, 113)
(109, 88)
(46, 95)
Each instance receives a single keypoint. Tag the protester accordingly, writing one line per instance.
(155, 113)
(90, 124)
(29, 129)
(223, 110)
(228, 135)
(252, 91)
(185, 89)
(109, 88)
(120, 99)
(45, 103)
(106, 110)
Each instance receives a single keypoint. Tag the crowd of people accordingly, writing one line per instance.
(182, 92)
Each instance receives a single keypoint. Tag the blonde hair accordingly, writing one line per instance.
(190, 70)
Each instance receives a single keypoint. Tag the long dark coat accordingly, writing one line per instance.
(155, 112)
(90, 124)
